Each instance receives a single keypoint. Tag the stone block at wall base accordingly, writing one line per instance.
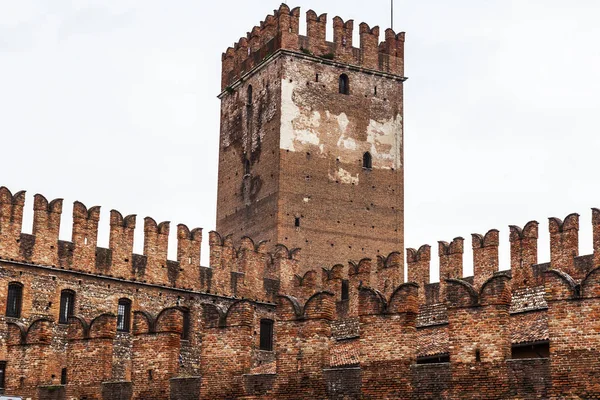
(117, 390)
(259, 384)
(343, 383)
(187, 388)
(55, 392)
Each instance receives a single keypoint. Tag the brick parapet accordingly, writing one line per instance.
(280, 30)
(82, 253)
(85, 236)
(11, 220)
(418, 268)
(46, 228)
(564, 244)
(523, 254)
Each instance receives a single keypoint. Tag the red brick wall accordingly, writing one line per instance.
(227, 342)
(574, 328)
(388, 331)
(479, 339)
(89, 355)
(302, 346)
(155, 354)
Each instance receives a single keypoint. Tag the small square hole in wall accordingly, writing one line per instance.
(297, 222)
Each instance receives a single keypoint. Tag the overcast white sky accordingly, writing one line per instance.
(113, 103)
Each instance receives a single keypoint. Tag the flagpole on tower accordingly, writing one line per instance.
(392, 15)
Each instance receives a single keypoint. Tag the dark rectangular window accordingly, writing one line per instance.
(67, 306)
(124, 315)
(345, 290)
(2, 373)
(440, 358)
(539, 349)
(185, 335)
(63, 376)
(15, 297)
(266, 334)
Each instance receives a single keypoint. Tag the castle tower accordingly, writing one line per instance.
(311, 142)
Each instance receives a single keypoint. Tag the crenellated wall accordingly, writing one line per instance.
(82, 254)
(311, 167)
(280, 30)
(340, 332)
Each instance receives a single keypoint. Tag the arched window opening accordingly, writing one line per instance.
(249, 93)
(15, 298)
(124, 315)
(367, 161)
(67, 306)
(297, 222)
(344, 84)
(246, 166)
(266, 334)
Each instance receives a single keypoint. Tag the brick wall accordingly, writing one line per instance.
(479, 339)
(387, 330)
(529, 378)
(574, 328)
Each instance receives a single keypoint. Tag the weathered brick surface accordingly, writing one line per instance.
(302, 346)
(388, 334)
(185, 388)
(324, 347)
(343, 383)
(485, 256)
(226, 349)
(52, 393)
(529, 378)
(523, 254)
(11, 220)
(564, 244)
(431, 381)
(117, 391)
(259, 384)
(311, 238)
(479, 338)
(574, 330)
(89, 355)
(293, 152)
(281, 31)
(418, 265)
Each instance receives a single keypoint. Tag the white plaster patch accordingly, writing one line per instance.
(386, 141)
(347, 143)
(343, 122)
(296, 127)
(343, 176)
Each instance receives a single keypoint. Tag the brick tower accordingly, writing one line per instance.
(311, 142)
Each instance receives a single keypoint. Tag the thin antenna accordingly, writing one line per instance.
(392, 14)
